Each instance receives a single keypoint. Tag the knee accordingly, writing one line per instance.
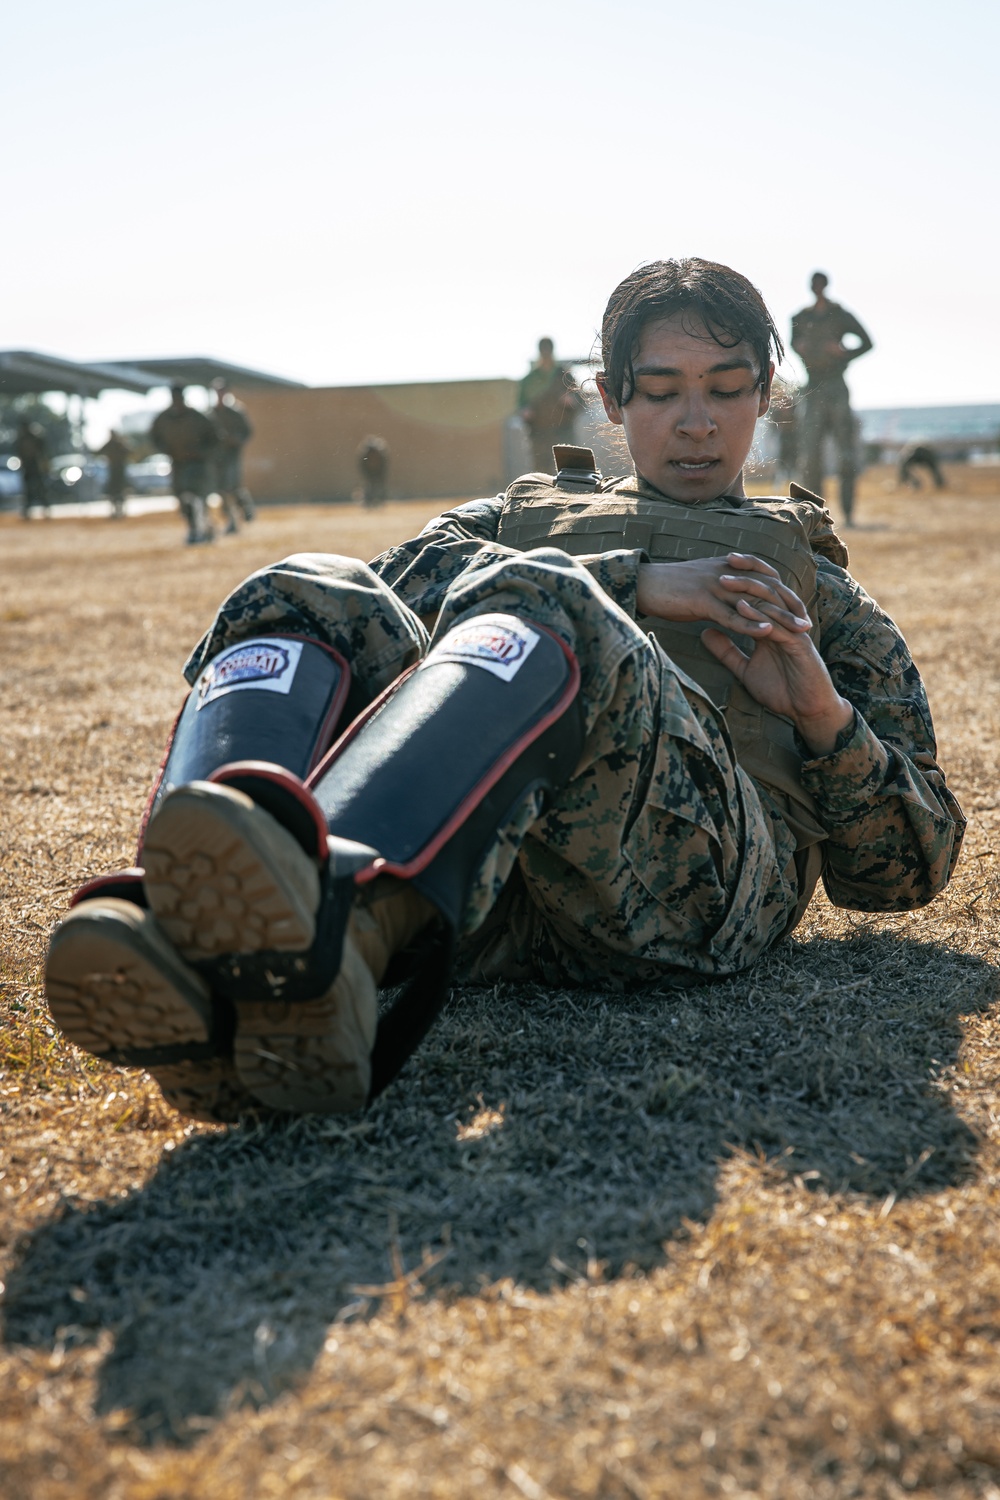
(544, 572)
(322, 565)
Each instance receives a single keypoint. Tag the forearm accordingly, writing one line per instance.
(618, 573)
(894, 829)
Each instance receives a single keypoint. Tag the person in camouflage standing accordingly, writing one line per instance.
(373, 466)
(188, 439)
(818, 334)
(32, 450)
(548, 401)
(744, 722)
(233, 431)
(117, 453)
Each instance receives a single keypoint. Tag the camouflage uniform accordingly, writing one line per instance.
(116, 451)
(661, 856)
(189, 440)
(233, 431)
(551, 400)
(827, 399)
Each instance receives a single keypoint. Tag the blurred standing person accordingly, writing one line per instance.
(548, 400)
(32, 450)
(188, 439)
(117, 453)
(818, 334)
(373, 464)
(233, 429)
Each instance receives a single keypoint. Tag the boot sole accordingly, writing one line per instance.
(223, 876)
(312, 1057)
(117, 989)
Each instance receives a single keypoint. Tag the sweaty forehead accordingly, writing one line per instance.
(683, 342)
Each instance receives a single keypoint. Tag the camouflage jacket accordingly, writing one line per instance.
(232, 425)
(186, 436)
(894, 830)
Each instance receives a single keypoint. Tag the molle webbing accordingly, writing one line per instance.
(779, 532)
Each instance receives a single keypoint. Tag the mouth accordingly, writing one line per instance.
(694, 465)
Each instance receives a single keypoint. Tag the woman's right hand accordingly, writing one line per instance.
(737, 591)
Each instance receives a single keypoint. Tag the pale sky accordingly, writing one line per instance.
(388, 192)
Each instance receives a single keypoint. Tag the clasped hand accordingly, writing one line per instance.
(785, 672)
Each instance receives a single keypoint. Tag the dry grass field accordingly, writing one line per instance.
(738, 1240)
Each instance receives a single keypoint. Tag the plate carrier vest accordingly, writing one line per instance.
(582, 513)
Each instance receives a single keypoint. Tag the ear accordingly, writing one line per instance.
(765, 392)
(611, 407)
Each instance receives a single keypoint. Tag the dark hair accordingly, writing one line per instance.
(730, 307)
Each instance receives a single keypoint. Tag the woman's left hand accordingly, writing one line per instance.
(785, 672)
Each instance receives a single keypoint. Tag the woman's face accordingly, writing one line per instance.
(690, 422)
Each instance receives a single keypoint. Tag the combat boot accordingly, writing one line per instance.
(116, 988)
(225, 878)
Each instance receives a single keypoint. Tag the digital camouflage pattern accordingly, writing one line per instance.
(660, 856)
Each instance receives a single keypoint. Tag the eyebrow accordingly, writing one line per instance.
(719, 369)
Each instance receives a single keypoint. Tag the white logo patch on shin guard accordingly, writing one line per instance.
(498, 643)
(264, 663)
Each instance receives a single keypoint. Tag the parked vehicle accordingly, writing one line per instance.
(10, 481)
(150, 476)
(77, 476)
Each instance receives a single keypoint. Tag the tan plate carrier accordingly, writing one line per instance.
(583, 514)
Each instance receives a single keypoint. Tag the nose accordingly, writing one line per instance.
(695, 419)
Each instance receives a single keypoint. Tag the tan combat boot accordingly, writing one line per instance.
(224, 877)
(117, 988)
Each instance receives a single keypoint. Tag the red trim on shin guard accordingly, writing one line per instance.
(356, 725)
(103, 885)
(157, 782)
(336, 708)
(261, 770)
(323, 737)
(405, 871)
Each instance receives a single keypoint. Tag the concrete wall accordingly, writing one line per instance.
(446, 439)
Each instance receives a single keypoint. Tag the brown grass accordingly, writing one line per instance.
(739, 1240)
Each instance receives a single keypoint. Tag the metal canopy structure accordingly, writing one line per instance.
(200, 369)
(23, 372)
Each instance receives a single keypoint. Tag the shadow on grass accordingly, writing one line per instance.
(532, 1131)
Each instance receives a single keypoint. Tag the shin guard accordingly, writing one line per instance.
(276, 699)
(418, 789)
(434, 770)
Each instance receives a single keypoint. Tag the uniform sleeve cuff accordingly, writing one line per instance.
(857, 767)
(618, 575)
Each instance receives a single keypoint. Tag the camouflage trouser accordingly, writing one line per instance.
(192, 476)
(236, 498)
(658, 856)
(192, 484)
(828, 412)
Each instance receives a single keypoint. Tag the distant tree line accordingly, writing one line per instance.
(16, 409)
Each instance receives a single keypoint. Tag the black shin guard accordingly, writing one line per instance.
(437, 765)
(435, 769)
(419, 789)
(275, 699)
